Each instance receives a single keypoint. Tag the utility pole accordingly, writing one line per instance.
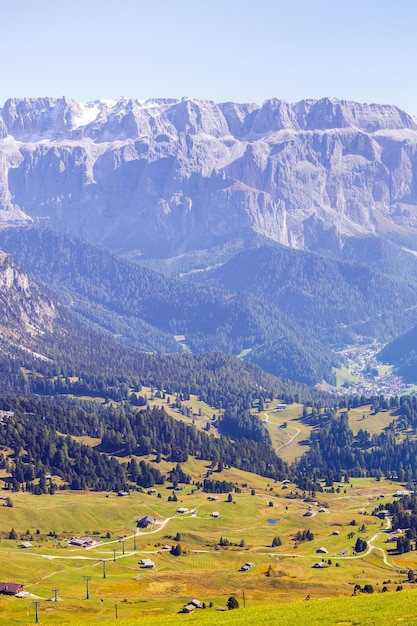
(123, 546)
(104, 570)
(115, 608)
(87, 578)
(114, 556)
(36, 603)
(55, 594)
(244, 601)
(134, 540)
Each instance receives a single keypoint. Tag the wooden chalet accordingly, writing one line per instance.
(10, 588)
(146, 521)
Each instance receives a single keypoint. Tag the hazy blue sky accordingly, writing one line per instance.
(241, 50)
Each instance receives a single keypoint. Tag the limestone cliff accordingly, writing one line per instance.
(27, 312)
(169, 176)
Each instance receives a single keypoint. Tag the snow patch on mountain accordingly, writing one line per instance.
(87, 113)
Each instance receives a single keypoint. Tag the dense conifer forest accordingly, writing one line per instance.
(31, 433)
(41, 432)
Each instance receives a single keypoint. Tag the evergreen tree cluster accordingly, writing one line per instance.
(39, 451)
(217, 486)
(360, 545)
(304, 535)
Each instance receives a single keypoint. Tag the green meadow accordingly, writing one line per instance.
(274, 591)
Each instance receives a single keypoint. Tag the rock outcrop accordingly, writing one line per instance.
(26, 311)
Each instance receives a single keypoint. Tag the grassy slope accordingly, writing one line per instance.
(290, 448)
(382, 609)
(290, 442)
(374, 422)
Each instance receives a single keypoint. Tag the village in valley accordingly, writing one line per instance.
(365, 375)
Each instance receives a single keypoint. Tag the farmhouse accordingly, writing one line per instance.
(146, 521)
(215, 514)
(10, 589)
(321, 550)
(182, 509)
(247, 566)
(76, 542)
(83, 542)
(147, 563)
(26, 544)
(196, 603)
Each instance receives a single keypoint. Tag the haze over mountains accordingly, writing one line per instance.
(301, 220)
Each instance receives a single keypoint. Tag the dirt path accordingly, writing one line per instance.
(291, 439)
(371, 546)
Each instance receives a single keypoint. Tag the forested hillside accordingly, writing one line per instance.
(144, 309)
(37, 432)
(332, 300)
(31, 432)
(335, 450)
(402, 353)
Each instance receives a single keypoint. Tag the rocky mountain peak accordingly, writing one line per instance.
(165, 176)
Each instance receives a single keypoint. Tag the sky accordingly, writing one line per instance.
(221, 50)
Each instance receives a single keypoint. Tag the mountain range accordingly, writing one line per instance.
(167, 177)
(281, 232)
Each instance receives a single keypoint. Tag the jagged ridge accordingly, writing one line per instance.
(162, 177)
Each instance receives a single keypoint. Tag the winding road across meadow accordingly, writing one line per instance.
(192, 513)
(291, 439)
